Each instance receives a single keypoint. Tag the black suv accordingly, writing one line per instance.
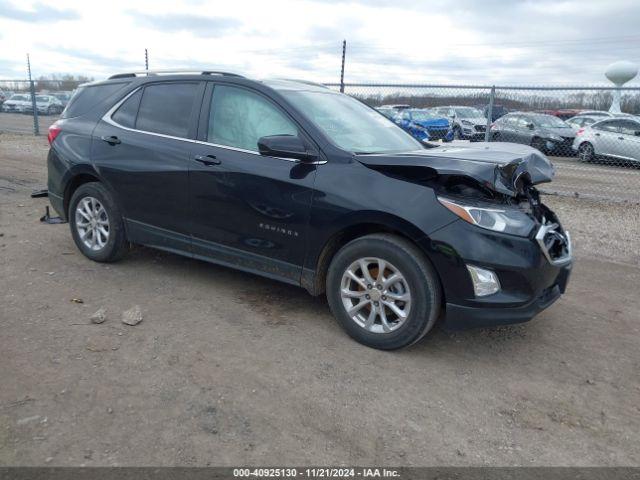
(294, 181)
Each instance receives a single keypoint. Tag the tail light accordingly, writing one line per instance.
(492, 126)
(579, 132)
(54, 130)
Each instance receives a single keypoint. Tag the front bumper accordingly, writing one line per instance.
(529, 281)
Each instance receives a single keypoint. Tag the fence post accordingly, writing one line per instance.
(344, 49)
(146, 60)
(492, 97)
(32, 89)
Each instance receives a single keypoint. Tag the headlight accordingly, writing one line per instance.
(556, 138)
(467, 122)
(503, 220)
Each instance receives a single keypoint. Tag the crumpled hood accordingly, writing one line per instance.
(503, 167)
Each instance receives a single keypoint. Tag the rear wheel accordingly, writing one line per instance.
(585, 152)
(383, 291)
(96, 223)
(496, 137)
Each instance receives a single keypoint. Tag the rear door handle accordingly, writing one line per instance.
(112, 140)
(208, 160)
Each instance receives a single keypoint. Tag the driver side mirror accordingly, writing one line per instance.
(531, 126)
(285, 146)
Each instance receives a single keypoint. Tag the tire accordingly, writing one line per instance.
(585, 152)
(49, 111)
(457, 133)
(98, 207)
(496, 137)
(418, 279)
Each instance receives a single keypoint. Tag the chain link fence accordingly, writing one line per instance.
(31, 106)
(596, 153)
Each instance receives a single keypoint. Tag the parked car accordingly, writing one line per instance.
(424, 125)
(580, 121)
(547, 133)
(309, 186)
(63, 97)
(17, 103)
(3, 96)
(467, 122)
(46, 105)
(611, 138)
(563, 113)
(390, 111)
(497, 111)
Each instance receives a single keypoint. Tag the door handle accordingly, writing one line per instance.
(597, 134)
(620, 138)
(207, 160)
(112, 140)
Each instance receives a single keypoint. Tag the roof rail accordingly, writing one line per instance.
(304, 82)
(159, 72)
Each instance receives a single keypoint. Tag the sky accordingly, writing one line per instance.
(403, 41)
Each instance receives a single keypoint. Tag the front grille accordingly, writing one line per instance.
(480, 128)
(555, 243)
(437, 133)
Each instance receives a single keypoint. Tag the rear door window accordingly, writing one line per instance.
(239, 117)
(166, 108)
(629, 127)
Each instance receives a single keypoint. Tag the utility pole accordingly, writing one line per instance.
(32, 88)
(146, 60)
(487, 132)
(344, 51)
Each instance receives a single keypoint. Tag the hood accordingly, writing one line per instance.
(475, 121)
(503, 167)
(433, 123)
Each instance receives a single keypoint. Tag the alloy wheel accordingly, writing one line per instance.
(92, 223)
(375, 295)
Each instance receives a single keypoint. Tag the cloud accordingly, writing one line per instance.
(40, 13)
(198, 25)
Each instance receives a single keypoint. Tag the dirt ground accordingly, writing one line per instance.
(228, 368)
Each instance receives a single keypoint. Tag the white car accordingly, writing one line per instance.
(17, 103)
(616, 138)
(46, 105)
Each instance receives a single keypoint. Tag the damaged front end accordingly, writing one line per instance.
(491, 186)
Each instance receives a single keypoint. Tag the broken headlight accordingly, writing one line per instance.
(504, 220)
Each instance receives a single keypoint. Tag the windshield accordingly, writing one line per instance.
(350, 124)
(424, 115)
(18, 97)
(549, 121)
(468, 112)
(42, 98)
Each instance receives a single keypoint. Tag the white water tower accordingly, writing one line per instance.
(620, 73)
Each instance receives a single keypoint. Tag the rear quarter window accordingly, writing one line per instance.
(85, 98)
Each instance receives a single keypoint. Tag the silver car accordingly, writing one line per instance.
(616, 138)
(468, 123)
(582, 120)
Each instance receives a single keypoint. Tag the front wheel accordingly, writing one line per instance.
(383, 291)
(457, 134)
(96, 223)
(538, 144)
